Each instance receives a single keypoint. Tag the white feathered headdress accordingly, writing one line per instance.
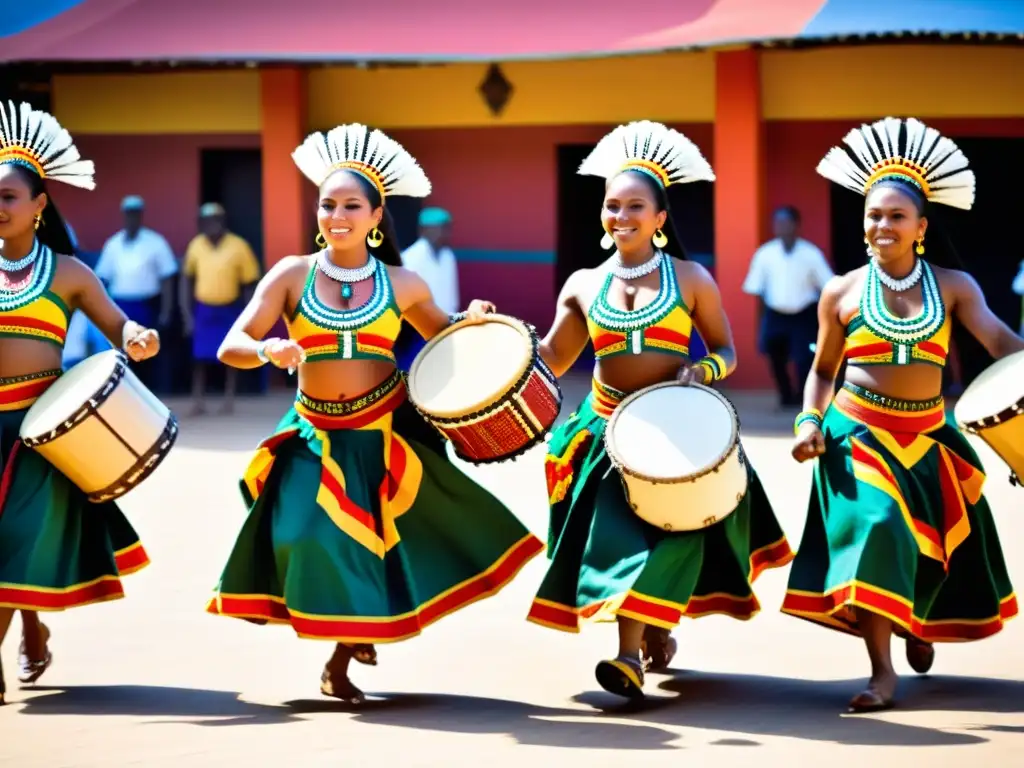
(371, 153)
(906, 149)
(35, 139)
(659, 151)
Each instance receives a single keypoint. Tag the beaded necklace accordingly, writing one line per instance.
(347, 319)
(37, 284)
(902, 332)
(623, 321)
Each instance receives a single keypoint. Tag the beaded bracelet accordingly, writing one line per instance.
(812, 414)
(456, 317)
(715, 367)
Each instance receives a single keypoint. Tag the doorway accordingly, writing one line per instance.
(979, 235)
(233, 178)
(579, 201)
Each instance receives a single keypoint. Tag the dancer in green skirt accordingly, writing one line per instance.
(639, 308)
(899, 537)
(57, 550)
(360, 530)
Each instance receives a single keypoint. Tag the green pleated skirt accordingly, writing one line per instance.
(607, 562)
(57, 549)
(361, 530)
(897, 525)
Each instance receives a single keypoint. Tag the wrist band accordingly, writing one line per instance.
(812, 414)
(715, 366)
(261, 352)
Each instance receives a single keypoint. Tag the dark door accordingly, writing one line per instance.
(979, 237)
(234, 178)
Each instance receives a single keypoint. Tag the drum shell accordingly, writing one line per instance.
(1005, 438)
(114, 441)
(692, 503)
(513, 421)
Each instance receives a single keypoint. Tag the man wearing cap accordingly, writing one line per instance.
(217, 281)
(432, 259)
(138, 266)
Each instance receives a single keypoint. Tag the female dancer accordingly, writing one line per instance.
(899, 537)
(638, 309)
(57, 550)
(360, 530)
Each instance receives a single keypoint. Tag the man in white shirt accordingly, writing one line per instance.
(432, 259)
(787, 274)
(138, 266)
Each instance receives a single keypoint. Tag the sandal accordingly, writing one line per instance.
(623, 676)
(870, 700)
(920, 655)
(345, 691)
(30, 670)
(658, 648)
(364, 653)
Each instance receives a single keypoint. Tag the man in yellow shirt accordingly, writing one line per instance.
(217, 280)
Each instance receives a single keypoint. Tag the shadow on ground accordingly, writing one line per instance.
(746, 705)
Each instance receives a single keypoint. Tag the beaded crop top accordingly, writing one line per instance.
(34, 311)
(364, 333)
(875, 336)
(664, 325)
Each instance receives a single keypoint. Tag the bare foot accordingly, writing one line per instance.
(920, 655)
(227, 408)
(658, 648)
(198, 409)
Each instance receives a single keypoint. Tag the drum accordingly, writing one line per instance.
(991, 408)
(484, 387)
(677, 449)
(101, 427)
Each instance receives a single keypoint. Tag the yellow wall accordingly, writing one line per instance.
(186, 102)
(874, 81)
(669, 87)
(825, 83)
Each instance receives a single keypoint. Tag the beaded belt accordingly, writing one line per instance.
(892, 403)
(350, 407)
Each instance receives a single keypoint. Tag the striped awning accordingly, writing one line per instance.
(455, 30)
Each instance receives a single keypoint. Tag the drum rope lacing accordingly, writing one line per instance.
(38, 284)
(903, 331)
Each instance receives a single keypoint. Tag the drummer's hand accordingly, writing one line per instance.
(692, 374)
(142, 345)
(284, 353)
(810, 442)
(478, 308)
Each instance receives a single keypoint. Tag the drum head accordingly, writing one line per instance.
(671, 432)
(997, 388)
(470, 366)
(69, 393)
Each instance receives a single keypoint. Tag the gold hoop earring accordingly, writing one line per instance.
(375, 238)
(39, 220)
(320, 240)
(920, 247)
(606, 242)
(660, 239)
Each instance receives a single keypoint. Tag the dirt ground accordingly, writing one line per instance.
(154, 681)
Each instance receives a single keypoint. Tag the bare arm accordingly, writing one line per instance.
(568, 335)
(419, 308)
(90, 296)
(831, 344)
(269, 302)
(970, 308)
(708, 313)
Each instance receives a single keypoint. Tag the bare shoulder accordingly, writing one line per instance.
(955, 280)
(581, 285)
(692, 272)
